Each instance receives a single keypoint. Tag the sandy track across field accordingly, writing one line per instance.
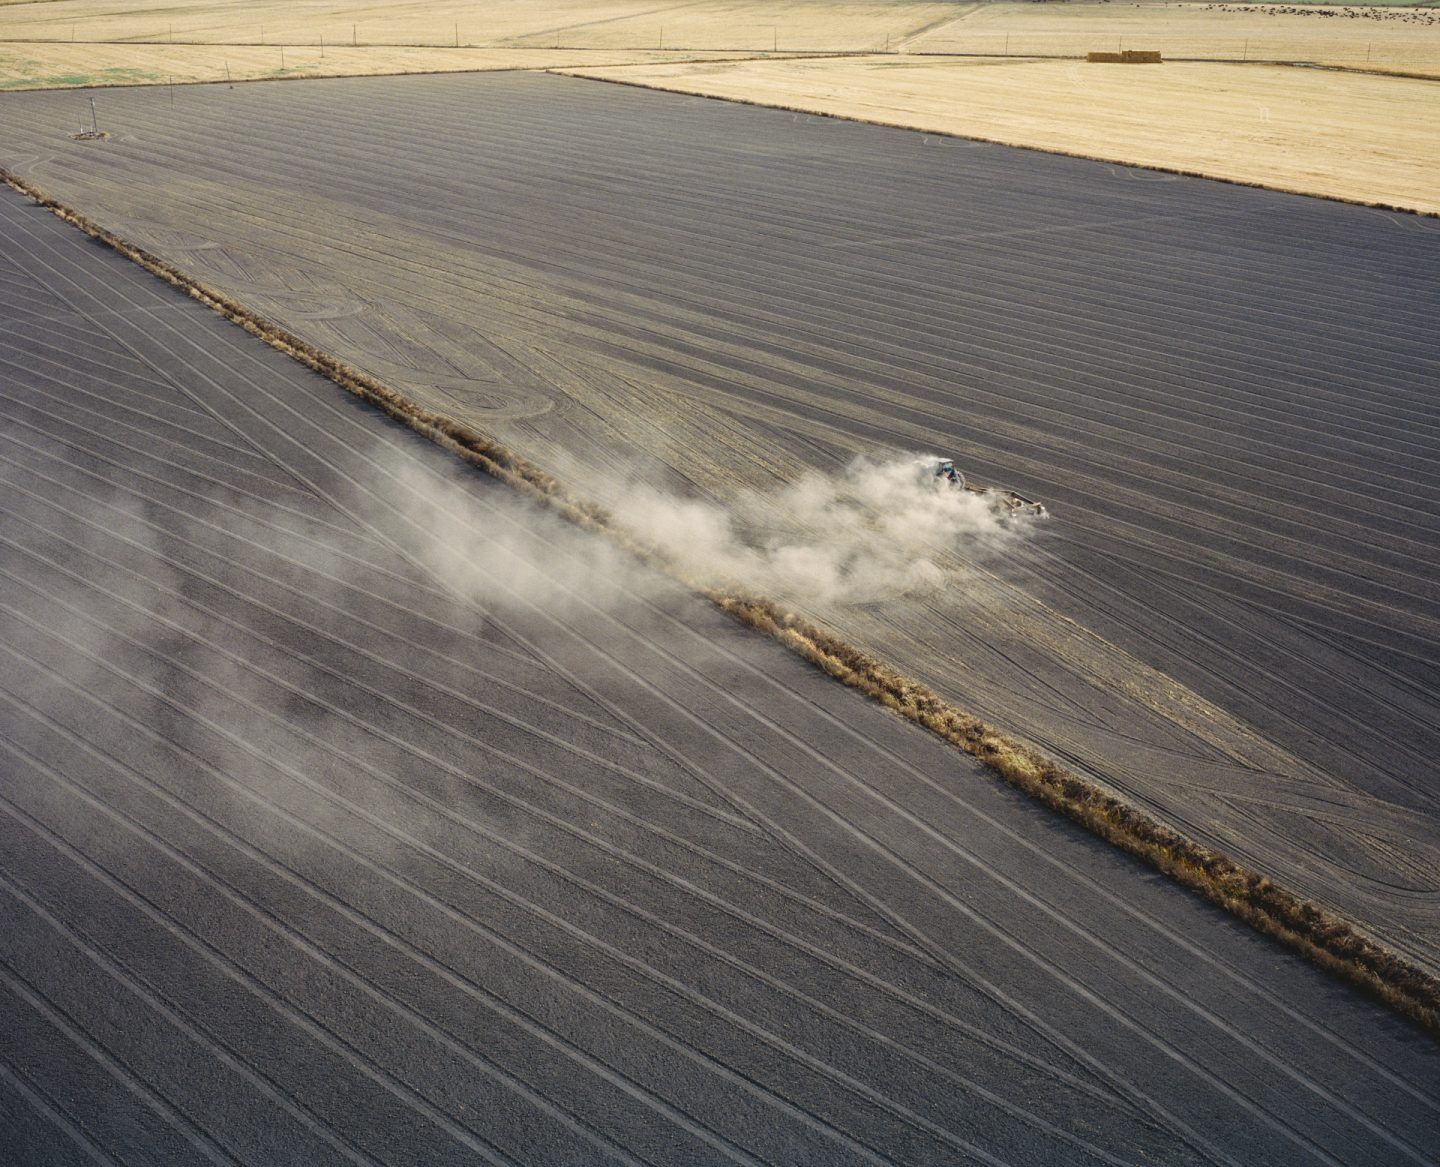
(1349, 136)
(348, 817)
(1232, 617)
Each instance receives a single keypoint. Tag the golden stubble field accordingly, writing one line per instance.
(366, 22)
(1372, 37)
(970, 69)
(1403, 39)
(728, 24)
(66, 66)
(1344, 135)
(87, 42)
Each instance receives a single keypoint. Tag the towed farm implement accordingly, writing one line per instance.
(945, 469)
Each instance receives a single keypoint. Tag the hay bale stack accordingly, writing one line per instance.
(1127, 57)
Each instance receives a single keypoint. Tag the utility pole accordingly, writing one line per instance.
(662, 38)
(227, 74)
(457, 36)
(354, 37)
(282, 58)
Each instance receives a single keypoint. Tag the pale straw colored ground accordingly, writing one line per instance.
(748, 25)
(60, 66)
(362, 22)
(1395, 39)
(1344, 135)
(60, 43)
(1351, 136)
(79, 42)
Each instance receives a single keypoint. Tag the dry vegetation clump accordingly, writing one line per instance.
(1306, 927)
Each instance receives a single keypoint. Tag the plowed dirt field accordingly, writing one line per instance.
(354, 812)
(1225, 395)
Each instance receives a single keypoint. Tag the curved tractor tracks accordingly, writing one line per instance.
(1304, 926)
(855, 829)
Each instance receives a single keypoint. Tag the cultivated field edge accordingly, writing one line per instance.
(681, 58)
(1302, 925)
(572, 72)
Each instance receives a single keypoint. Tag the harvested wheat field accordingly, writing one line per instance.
(1371, 35)
(693, 310)
(727, 24)
(66, 43)
(356, 811)
(59, 43)
(69, 43)
(369, 22)
(77, 43)
(1365, 37)
(65, 66)
(1349, 136)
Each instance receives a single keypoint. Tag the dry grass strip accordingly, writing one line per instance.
(1300, 924)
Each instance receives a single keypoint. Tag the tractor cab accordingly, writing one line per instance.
(945, 468)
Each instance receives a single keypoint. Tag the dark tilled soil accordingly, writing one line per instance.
(353, 812)
(1225, 395)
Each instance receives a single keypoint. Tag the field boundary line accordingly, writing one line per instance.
(570, 71)
(683, 57)
(1022, 58)
(1302, 925)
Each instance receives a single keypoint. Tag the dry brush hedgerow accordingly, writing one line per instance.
(1304, 926)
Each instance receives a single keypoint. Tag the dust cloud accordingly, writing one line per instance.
(878, 529)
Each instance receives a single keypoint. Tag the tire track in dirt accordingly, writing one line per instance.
(1314, 1148)
(685, 681)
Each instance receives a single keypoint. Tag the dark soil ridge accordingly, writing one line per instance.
(1302, 925)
